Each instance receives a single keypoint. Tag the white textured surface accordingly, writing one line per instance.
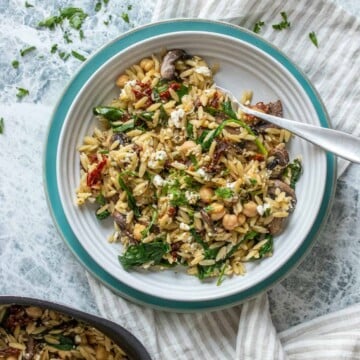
(33, 258)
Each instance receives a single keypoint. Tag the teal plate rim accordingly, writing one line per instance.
(63, 106)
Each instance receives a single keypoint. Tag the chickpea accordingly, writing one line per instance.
(250, 209)
(138, 228)
(241, 219)
(147, 64)
(122, 80)
(187, 147)
(206, 194)
(230, 221)
(11, 358)
(101, 353)
(217, 211)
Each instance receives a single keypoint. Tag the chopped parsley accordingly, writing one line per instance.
(125, 17)
(224, 193)
(28, 5)
(67, 37)
(25, 51)
(81, 34)
(75, 16)
(253, 181)
(22, 92)
(107, 22)
(77, 55)
(1, 125)
(257, 27)
(129, 7)
(283, 24)
(15, 64)
(63, 55)
(313, 38)
(54, 48)
(98, 6)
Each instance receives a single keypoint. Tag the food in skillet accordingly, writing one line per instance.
(33, 333)
(186, 180)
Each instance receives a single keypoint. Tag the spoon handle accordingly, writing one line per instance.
(338, 142)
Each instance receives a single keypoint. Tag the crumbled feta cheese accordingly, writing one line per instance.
(262, 208)
(184, 226)
(202, 173)
(192, 197)
(160, 155)
(203, 70)
(175, 118)
(231, 185)
(152, 164)
(158, 181)
(131, 83)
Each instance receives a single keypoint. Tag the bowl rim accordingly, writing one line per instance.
(127, 341)
(94, 62)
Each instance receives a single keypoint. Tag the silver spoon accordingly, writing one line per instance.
(338, 142)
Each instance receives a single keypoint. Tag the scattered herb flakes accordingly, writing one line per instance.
(107, 22)
(28, 5)
(81, 34)
(54, 48)
(15, 64)
(22, 92)
(283, 24)
(257, 27)
(106, 1)
(129, 7)
(1, 125)
(75, 16)
(313, 38)
(125, 17)
(67, 37)
(77, 55)
(98, 6)
(224, 193)
(27, 50)
(64, 55)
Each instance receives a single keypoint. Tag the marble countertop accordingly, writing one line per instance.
(34, 260)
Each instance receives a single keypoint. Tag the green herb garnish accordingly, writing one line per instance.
(65, 343)
(283, 24)
(63, 55)
(54, 48)
(190, 130)
(78, 56)
(183, 90)
(295, 168)
(1, 125)
(147, 230)
(27, 50)
(22, 92)
(313, 38)
(108, 112)
(125, 17)
(122, 128)
(137, 255)
(130, 197)
(267, 248)
(15, 64)
(28, 5)
(224, 193)
(98, 6)
(221, 276)
(257, 27)
(253, 181)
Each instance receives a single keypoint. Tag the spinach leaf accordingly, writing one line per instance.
(183, 90)
(228, 110)
(66, 343)
(296, 171)
(130, 197)
(267, 248)
(190, 130)
(139, 254)
(103, 215)
(108, 112)
(122, 128)
(147, 230)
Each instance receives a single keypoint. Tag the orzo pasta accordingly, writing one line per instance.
(186, 180)
(30, 332)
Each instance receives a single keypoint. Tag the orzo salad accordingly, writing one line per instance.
(187, 180)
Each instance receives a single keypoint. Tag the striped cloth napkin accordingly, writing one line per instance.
(246, 332)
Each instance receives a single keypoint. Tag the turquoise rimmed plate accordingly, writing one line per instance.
(246, 62)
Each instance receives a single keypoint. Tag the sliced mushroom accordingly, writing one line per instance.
(167, 70)
(278, 184)
(121, 137)
(277, 161)
(276, 226)
(275, 108)
(120, 220)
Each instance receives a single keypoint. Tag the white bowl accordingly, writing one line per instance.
(246, 62)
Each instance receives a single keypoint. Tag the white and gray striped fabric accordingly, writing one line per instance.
(246, 332)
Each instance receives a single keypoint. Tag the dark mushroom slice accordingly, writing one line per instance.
(120, 220)
(121, 137)
(277, 225)
(273, 108)
(277, 161)
(167, 70)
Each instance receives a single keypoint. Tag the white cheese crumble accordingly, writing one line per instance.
(160, 155)
(175, 118)
(158, 181)
(262, 208)
(203, 70)
(192, 197)
(202, 173)
(184, 226)
(231, 185)
(131, 83)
